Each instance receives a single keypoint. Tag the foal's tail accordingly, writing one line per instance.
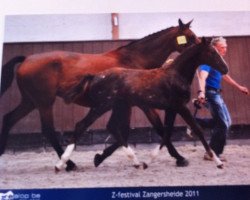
(80, 89)
(8, 73)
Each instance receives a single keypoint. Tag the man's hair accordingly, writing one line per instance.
(217, 40)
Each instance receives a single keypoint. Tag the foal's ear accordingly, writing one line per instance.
(205, 41)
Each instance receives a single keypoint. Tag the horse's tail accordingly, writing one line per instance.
(8, 73)
(80, 89)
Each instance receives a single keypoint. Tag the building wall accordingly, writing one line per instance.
(36, 28)
(83, 27)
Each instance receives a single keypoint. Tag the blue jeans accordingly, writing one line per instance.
(220, 122)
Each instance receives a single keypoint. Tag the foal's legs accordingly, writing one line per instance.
(165, 134)
(187, 116)
(118, 126)
(119, 122)
(170, 116)
(11, 118)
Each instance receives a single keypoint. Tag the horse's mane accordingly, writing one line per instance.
(146, 38)
(186, 54)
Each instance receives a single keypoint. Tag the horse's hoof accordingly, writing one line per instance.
(71, 166)
(136, 166)
(57, 170)
(97, 160)
(1, 151)
(144, 165)
(182, 163)
(221, 166)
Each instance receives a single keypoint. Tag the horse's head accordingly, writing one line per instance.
(210, 56)
(153, 50)
(184, 36)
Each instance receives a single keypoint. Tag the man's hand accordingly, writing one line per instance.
(244, 90)
(201, 97)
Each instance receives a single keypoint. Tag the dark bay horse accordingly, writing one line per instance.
(166, 88)
(42, 77)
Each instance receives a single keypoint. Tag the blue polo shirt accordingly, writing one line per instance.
(214, 77)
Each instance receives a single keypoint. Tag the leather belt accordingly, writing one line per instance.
(213, 89)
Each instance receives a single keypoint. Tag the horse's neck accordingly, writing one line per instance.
(186, 66)
(148, 54)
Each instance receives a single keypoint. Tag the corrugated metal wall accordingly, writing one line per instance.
(66, 116)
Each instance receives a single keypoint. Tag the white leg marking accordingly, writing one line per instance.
(65, 157)
(131, 154)
(189, 132)
(155, 152)
(60, 165)
(217, 160)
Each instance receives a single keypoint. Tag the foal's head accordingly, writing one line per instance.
(210, 56)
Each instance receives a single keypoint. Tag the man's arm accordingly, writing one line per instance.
(232, 82)
(202, 76)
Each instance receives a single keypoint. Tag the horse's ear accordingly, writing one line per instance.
(204, 40)
(181, 25)
(188, 24)
(209, 40)
(184, 26)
